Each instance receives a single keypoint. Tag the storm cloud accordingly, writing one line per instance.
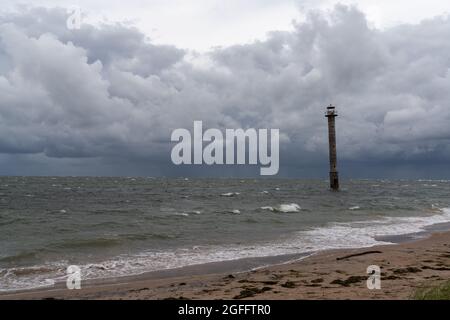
(106, 96)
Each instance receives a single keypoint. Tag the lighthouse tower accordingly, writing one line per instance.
(331, 114)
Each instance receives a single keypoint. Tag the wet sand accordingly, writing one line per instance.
(334, 274)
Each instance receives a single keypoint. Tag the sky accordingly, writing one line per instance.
(104, 99)
(204, 24)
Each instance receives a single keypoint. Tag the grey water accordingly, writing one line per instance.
(113, 227)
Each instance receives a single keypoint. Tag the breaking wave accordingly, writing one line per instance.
(332, 236)
(286, 208)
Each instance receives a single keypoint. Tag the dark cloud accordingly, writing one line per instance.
(108, 95)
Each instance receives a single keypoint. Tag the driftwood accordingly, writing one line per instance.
(358, 254)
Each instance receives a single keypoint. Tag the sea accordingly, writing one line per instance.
(113, 227)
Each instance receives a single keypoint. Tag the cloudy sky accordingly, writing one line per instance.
(104, 99)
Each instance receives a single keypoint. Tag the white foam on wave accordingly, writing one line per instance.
(285, 208)
(181, 214)
(364, 233)
(293, 207)
(356, 234)
(34, 277)
(333, 236)
(354, 208)
(230, 194)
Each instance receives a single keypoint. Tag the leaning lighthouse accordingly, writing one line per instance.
(331, 114)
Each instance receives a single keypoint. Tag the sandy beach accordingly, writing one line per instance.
(335, 274)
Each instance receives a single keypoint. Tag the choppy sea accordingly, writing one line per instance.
(113, 227)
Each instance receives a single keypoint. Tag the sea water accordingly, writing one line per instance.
(113, 227)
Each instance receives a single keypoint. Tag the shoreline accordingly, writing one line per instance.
(405, 267)
(228, 266)
(210, 268)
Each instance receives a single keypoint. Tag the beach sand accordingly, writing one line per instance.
(405, 267)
